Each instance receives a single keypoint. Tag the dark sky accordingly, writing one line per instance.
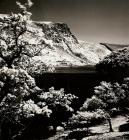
(89, 20)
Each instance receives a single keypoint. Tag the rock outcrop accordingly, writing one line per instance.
(65, 49)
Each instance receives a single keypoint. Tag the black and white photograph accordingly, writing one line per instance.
(64, 69)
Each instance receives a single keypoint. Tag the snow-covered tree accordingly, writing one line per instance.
(86, 119)
(107, 97)
(106, 93)
(17, 92)
(113, 94)
(60, 104)
(92, 104)
(116, 65)
(104, 98)
(22, 103)
(13, 43)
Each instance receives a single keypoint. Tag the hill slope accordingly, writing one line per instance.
(65, 49)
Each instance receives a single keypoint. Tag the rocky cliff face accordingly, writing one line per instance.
(65, 49)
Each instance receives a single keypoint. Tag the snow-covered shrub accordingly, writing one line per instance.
(11, 45)
(124, 94)
(116, 64)
(29, 109)
(18, 96)
(108, 96)
(59, 103)
(106, 93)
(15, 87)
(113, 94)
(92, 104)
(86, 118)
(16, 82)
(56, 97)
(18, 91)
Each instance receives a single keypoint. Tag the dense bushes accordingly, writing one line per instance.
(85, 119)
(17, 88)
(22, 104)
(110, 98)
(116, 65)
(92, 104)
(59, 103)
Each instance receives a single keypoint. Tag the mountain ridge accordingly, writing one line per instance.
(71, 51)
(114, 47)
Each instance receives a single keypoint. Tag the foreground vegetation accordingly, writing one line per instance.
(27, 112)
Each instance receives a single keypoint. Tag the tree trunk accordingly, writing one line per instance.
(110, 125)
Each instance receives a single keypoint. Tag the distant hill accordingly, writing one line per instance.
(114, 47)
(65, 50)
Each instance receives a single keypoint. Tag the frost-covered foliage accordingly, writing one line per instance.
(19, 42)
(106, 93)
(113, 95)
(16, 82)
(86, 118)
(116, 64)
(92, 104)
(107, 96)
(29, 109)
(11, 45)
(24, 7)
(18, 94)
(22, 103)
(58, 97)
(124, 97)
(15, 87)
(59, 103)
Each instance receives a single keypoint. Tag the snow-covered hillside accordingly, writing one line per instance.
(94, 52)
(64, 49)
